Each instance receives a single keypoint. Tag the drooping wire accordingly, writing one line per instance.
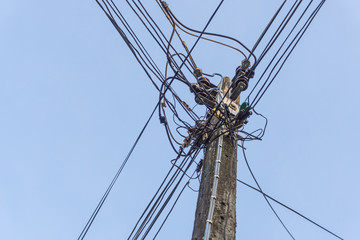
(176, 23)
(211, 34)
(142, 49)
(267, 201)
(289, 208)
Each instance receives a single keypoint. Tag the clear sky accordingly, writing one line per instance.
(73, 100)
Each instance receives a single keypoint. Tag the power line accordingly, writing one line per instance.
(267, 201)
(289, 208)
(167, 189)
(290, 47)
(106, 194)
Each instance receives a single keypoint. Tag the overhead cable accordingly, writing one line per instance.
(106, 194)
(289, 208)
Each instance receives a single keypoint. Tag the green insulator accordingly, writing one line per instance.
(244, 106)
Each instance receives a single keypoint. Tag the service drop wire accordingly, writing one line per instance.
(267, 201)
(106, 194)
(289, 208)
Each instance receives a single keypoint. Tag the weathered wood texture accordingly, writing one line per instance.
(224, 219)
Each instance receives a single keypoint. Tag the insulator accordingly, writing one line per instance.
(198, 72)
(204, 81)
(240, 84)
(245, 64)
(200, 98)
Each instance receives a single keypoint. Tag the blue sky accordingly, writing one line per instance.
(73, 100)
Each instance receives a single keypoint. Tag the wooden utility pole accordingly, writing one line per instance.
(215, 216)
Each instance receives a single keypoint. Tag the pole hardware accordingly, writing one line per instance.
(240, 81)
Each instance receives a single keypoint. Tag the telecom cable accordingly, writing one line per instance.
(106, 194)
(289, 208)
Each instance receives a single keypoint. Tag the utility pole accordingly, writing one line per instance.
(215, 216)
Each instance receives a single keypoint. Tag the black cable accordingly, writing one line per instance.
(257, 183)
(301, 32)
(213, 34)
(268, 66)
(128, 28)
(173, 206)
(196, 42)
(134, 36)
(156, 25)
(278, 32)
(278, 51)
(163, 46)
(267, 27)
(265, 125)
(289, 208)
(131, 47)
(156, 193)
(160, 196)
(106, 194)
(170, 196)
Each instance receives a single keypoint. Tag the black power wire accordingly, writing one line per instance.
(289, 208)
(171, 194)
(150, 65)
(294, 42)
(134, 51)
(267, 47)
(106, 194)
(267, 28)
(278, 32)
(187, 184)
(267, 201)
